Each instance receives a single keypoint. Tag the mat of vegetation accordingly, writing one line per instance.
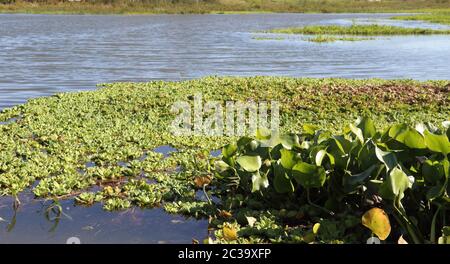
(102, 146)
(213, 6)
(441, 17)
(355, 29)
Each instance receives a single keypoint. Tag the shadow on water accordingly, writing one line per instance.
(39, 221)
(48, 221)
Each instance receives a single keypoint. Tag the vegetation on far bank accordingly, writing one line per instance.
(441, 17)
(355, 29)
(215, 6)
(326, 38)
(102, 147)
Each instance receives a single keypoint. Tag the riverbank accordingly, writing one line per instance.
(224, 7)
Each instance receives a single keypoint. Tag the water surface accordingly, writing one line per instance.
(44, 54)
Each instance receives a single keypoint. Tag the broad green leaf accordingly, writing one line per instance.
(309, 129)
(221, 166)
(435, 192)
(263, 134)
(367, 156)
(320, 156)
(377, 220)
(367, 127)
(395, 185)
(360, 178)
(289, 141)
(243, 142)
(388, 158)
(289, 158)
(229, 150)
(250, 163)
(308, 175)
(437, 143)
(432, 171)
(281, 182)
(408, 136)
(358, 133)
(259, 181)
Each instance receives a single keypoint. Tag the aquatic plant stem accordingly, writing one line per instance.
(433, 225)
(206, 194)
(408, 225)
(316, 205)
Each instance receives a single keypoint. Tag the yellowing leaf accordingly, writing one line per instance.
(316, 228)
(377, 220)
(229, 233)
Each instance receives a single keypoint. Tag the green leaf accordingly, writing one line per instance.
(289, 158)
(367, 127)
(435, 192)
(250, 163)
(395, 185)
(320, 156)
(437, 143)
(259, 181)
(360, 178)
(408, 136)
(289, 141)
(281, 181)
(243, 142)
(432, 171)
(308, 175)
(263, 134)
(388, 158)
(358, 133)
(229, 150)
(309, 129)
(221, 166)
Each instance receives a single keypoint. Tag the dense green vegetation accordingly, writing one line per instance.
(364, 30)
(442, 17)
(340, 178)
(67, 144)
(214, 6)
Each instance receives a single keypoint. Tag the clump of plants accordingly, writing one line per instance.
(356, 29)
(394, 181)
(104, 146)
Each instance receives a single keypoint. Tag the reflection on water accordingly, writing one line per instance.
(41, 55)
(50, 222)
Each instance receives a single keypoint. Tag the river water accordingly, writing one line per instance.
(44, 54)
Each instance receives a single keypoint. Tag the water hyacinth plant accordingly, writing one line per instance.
(402, 171)
(104, 146)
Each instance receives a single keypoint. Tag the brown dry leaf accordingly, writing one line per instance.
(225, 214)
(202, 180)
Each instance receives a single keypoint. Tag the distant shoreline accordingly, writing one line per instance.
(120, 7)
